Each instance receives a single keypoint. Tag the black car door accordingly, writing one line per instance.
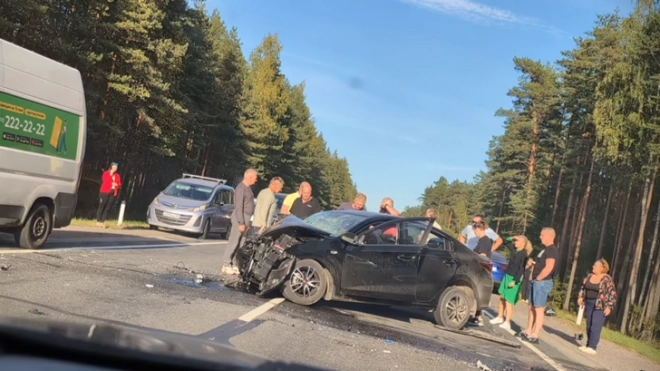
(383, 263)
(437, 266)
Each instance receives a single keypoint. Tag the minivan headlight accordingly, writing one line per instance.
(200, 208)
(156, 202)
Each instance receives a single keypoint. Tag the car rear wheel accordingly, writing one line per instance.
(453, 309)
(307, 283)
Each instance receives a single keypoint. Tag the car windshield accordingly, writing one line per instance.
(189, 191)
(333, 222)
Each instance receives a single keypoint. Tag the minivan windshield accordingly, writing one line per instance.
(335, 223)
(189, 191)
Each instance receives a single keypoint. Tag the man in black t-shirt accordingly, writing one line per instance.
(542, 284)
(305, 205)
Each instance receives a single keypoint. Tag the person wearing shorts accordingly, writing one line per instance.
(542, 284)
(510, 287)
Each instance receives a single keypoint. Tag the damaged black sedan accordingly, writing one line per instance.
(366, 257)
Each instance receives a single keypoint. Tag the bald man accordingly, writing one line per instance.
(542, 284)
(240, 218)
(305, 205)
(359, 203)
(290, 198)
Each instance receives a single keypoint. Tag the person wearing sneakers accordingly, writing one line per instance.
(598, 297)
(483, 248)
(543, 274)
(240, 219)
(510, 287)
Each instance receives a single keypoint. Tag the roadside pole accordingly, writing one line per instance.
(122, 208)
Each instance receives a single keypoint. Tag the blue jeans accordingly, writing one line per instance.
(595, 323)
(540, 292)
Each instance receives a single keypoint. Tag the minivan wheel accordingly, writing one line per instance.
(453, 309)
(205, 231)
(307, 283)
(36, 229)
(225, 235)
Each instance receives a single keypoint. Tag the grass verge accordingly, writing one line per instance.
(651, 351)
(110, 224)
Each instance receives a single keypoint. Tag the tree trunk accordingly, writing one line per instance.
(621, 288)
(619, 233)
(206, 160)
(603, 228)
(578, 245)
(531, 168)
(499, 216)
(549, 175)
(450, 217)
(555, 207)
(565, 231)
(643, 298)
(632, 282)
(567, 252)
(652, 304)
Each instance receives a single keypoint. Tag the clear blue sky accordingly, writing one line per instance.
(406, 90)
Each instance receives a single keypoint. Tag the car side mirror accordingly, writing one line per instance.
(434, 243)
(349, 238)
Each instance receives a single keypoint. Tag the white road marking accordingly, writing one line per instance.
(112, 247)
(256, 312)
(534, 349)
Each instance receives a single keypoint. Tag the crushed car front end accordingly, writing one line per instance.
(266, 261)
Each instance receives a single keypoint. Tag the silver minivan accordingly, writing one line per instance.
(194, 204)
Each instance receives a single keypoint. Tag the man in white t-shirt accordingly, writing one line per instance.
(469, 238)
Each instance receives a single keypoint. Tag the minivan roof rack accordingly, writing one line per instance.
(221, 181)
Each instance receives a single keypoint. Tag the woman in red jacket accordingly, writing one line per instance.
(108, 194)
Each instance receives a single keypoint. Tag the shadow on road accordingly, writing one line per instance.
(395, 313)
(76, 239)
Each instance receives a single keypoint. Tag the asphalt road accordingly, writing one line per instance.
(144, 279)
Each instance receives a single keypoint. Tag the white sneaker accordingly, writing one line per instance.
(588, 350)
(496, 321)
(506, 325)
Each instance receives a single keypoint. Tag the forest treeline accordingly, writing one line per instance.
(581, 153)
(169, 91)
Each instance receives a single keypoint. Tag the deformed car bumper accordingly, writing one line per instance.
(264, 263)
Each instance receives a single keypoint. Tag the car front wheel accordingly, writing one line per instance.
(453, 309)
(307, 283)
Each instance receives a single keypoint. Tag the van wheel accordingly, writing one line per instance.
(36, 229)
(205, 231)
(453, 309)
(225, 236)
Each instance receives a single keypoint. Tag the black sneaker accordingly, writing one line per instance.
(522, 335)
(533, 340)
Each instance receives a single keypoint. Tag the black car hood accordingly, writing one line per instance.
(123, 341)
(297, 226)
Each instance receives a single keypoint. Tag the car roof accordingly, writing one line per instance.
(368, 214)
(207, 183)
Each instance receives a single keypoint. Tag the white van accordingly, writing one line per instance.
(43, 122)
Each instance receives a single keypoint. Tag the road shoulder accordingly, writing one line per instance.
(558, 342)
